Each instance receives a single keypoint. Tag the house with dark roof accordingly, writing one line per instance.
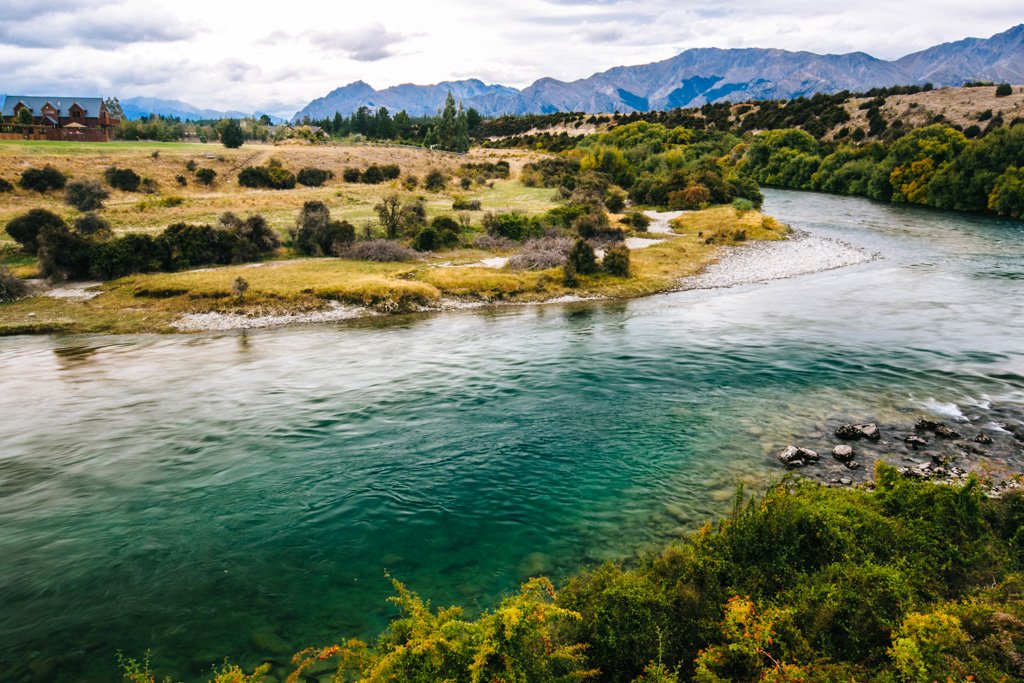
(56, 118)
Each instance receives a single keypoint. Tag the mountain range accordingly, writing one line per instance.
(699, 76)
(141, 107)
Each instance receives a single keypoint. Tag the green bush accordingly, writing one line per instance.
(272, 176)
(373, 175)
(391, 171)
(1004, 90)
(463, 204)
(351, 175)
(637, 220)
(513, 226)
(435, 180)
(5, 186)
(42, 179)
(92, 225)
(426, 239)
(25, 229)
(206, 176)
(85, 195)
(313, 177)
(64, 255)
(447, 229)
(128, 254)
(616, 261)
(582, 258)
(316, 234)
(122, 179)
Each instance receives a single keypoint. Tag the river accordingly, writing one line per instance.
(203, 496)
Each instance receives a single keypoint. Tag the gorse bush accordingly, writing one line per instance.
(512, 225)
(271, 176)
(92, 225)
(122, 179)
(435, 180)
(42, 179)
(313, 177)
(616, 261)
(25, 229)
(205, 176)
(85, 195)
(583, 258)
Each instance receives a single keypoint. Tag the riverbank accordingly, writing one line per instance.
(296, 291)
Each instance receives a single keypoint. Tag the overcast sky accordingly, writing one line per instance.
(275, 57)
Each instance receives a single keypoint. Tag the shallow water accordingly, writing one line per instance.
(182, 493)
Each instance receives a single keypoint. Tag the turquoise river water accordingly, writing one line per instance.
(193, 494)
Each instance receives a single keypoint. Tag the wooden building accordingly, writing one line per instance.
(83, 119)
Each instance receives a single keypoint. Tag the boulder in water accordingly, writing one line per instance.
(794, 456)
(915, 442)
(857, 432)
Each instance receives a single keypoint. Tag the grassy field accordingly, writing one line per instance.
(151, 302)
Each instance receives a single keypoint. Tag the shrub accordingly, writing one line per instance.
(85, 195)
(5, 186)
(541, 253)
(569, 276)
(493, 243)
(742, 205)
(124, 179)
(435, 180)
(191, 165)
(463, 204)
(186, 246)
(694, 197)
(351, 175)
(255, 237)
(616, 261)
(313, 177)
(131, 253)
(637, 220)
(379, 250)
(206, 176)
(181, 180)
(42, 179)
(582, 257)
(92, 225)
(63, 255)
(513, 226)
(25, 229)
(391, 171)
(426, 240)
(11, 287)
(1004, 90)
(447, 229)
(410, 182)
(615, 199)
(595, 226)
(373, 175)
(272, 176)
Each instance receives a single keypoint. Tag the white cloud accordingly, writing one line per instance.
(276, 57)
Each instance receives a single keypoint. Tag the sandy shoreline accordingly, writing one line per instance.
(756, 262)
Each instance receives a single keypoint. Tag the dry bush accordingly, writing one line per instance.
(11, 287)
(541, 253)
(379, 250)
(493, 243)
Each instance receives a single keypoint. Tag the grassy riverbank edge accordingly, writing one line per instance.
(301, 290)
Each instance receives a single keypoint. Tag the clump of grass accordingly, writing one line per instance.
(168, 202)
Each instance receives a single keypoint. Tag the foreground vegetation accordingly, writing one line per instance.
(909, 582)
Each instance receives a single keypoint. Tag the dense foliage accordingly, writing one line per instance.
(911, 583)
(936, 165)
(271, 175)
(122, 179)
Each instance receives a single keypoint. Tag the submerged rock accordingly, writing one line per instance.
(857, 432)
(843, 453)
(983, 439)
(915, 442)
